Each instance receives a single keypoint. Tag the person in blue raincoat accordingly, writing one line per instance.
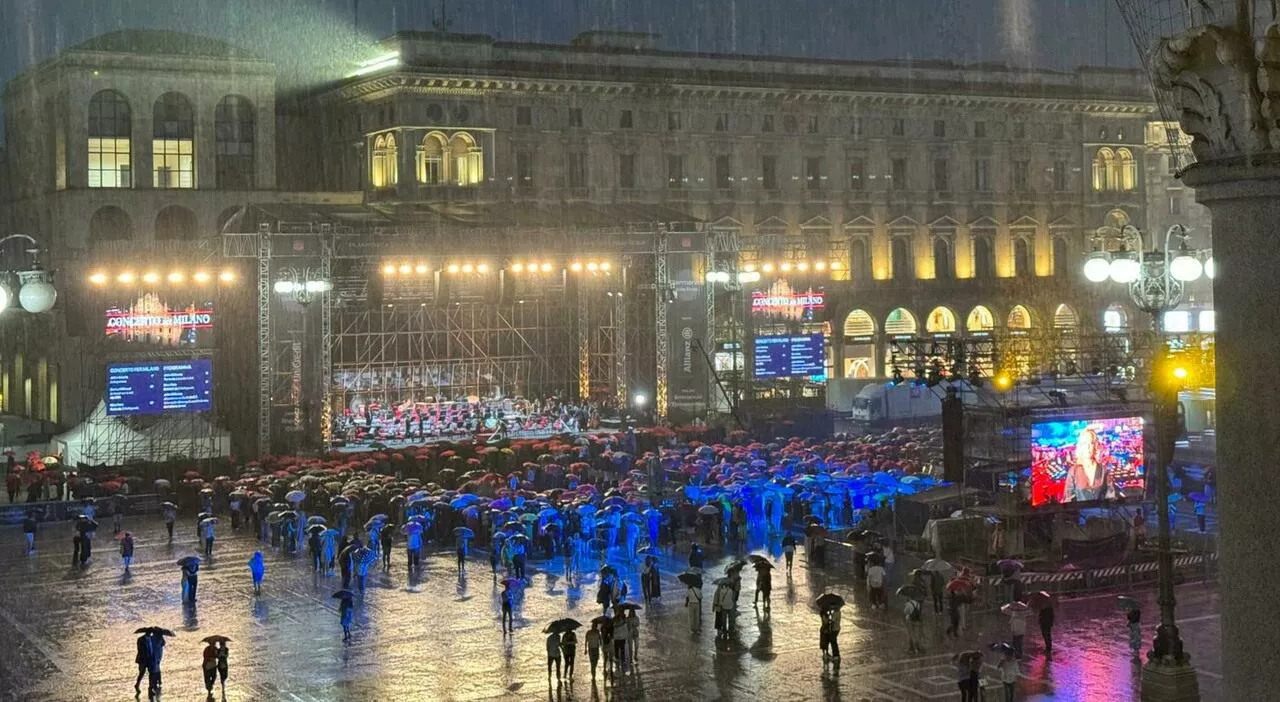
(347, 615)
(257, 569)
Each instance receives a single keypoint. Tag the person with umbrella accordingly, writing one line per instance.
(315, 546)
(223, 664)
(346, 561)
(413, 545)
(1134, 618)
(553, 655)
(209, 663)
(593, 646)
(693, 598)
(1009, 670)
(508, 601)
(29, 532)
(568, 651)
(1017, 613)
(968, 669)
(190, 570)
(388, 539)
(789, 550)
(126, 550)
(329, 539)
(696, 556)
(764, 581)
(649, 578)
(257, 569)
(206, 530)
(143, 660)
(912, 612)
(722, 603)
(150, 654)
(169, 511)
(346, 611)
(621, 634)
(937, 569)
(1046, 618)
(829, 635)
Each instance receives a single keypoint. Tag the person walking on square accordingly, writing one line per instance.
(913, 613)
(875, 586)
(553, 656)
(170, 514)
(257, 569)
(593, 648)
(387, 539)
(206, 532)
(190, 578)
(1046, 617)
(693, 605)
(315, 546)
(789, 550)
(209, 666)
(764, 585)
(508, 601)
(223, 666)
(126, 550)
(143, 660)
(1008, 667)
(1135, 633)
(568, 651)
(29, 532)
(346, 614)
(633, 641)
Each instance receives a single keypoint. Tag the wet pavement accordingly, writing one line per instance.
(68, 634)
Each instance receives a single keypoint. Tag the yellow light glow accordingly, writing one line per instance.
(420, 269)
(786, 267)
(768, 268)
(819, 266)
(453, 268)
(388, 269)
(750, 268)
(803, 265)
(482, 268)
(593, 266)
(126, 277)
(546, 268)
(1003, 381)
(406, 268)
(575, 266)
(1180, 373)
(467, 268)
(176, 277)
(835, 265)
(200, 277)
(227, 276)
(605, 266)
(98, 278)
(150, 277)
(517, 267)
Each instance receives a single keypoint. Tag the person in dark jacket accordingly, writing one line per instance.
(29, 532)
(143, 659)
(1046, 628)
(190, 571)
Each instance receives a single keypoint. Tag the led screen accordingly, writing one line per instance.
(790, 356)
(155, 388)
(1087, 460)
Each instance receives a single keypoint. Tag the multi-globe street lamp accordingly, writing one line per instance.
(1156, 280)
(34, 284)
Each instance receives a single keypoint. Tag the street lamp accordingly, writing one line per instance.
(1156, 281)
(36, 293)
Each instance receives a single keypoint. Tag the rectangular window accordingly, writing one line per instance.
(673, 122)
(1021, 175)
(1019, 130)
(576, 170)
(940, 174)
(766, 123)
(575, 117)
(724, 180)
(626, 171)
(857, 174)
(812, 126)
(1175, 204)
(979, 130)
(626, 120)
(856, 127)
(722, 122)
(813, 173)
(982, 175)
(173, 161)
(109, 163)
(898, 174)
(899, 127)
(939, 128)
(524, 170)
(1060, 176)
(524, 116)
(675, 171)
(769, 172)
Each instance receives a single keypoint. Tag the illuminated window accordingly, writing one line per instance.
(859, 323)
(384, 172)
(1207, 321)
(941, 321)
(431, 159)
(1177, 321)
(1065, 318)
(173, 158)
(1104, 165)
(900, 322)
(233, 125)
(1126, 171)
(467, 160)
(110, 129)
(980, 320)
(1115, 319)
(1019, 318)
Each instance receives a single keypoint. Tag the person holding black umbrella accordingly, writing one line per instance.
(223, 665)
(568, 651)
(789, 550)
(209, 666)
(829, 636)
(143, 659)
(553, 655)
(508, 598)
(190, 572)
(593, 647)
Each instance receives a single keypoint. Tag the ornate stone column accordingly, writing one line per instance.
(1226, 85)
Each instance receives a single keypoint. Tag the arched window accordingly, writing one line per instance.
(173, 147)
(1126, 173)
(984, 258)
(225, 223)
(466, 159)
(941, 321)
(859, 324)
(980, 320)
(1115, 319)
(859, 368)
(1022, 257)
(900, 322)
(233, 134)
(383, 172)
(431, 159)
(1065, 319)
(110, 141)
(1061, 257)
(859, 261)
(110, 224)
(1104, 163)
(900, 258)
(1019, 318)
(943, 268)
(176, 223)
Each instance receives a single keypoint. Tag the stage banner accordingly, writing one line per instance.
(687, 376)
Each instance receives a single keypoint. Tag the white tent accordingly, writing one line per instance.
(100, 439)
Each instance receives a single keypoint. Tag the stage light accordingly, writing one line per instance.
(482, 268)
(640, 399)
(200, 277)
(750, 268)
(517, 267)
(803, 266)
(575, 266)
(605, 266)
(176, 277)
(127, 278)
(1003, 381)
(421, 269)
(453, 268)
(1179, 373)
(467, 268)
(593, 266)
(405, 269)
(786, 268)
(820, 266)
(767, 268)
(227, 276)
(98, 278)
(836, 265)
(284, 287)
(546, 268)
(388, 269)
(150, 277)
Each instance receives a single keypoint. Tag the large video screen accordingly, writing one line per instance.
(155, 388)
(153, 320)
(1087, 460)
(790, 356)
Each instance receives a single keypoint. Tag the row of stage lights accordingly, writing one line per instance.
(796, 266)
(407, 269)
(177, 277)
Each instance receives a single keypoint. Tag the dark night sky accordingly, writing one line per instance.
(303, 34)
